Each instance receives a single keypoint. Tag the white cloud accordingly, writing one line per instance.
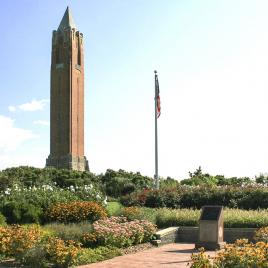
(11, 108)
(10, 136)
(34, 105)
(41, 122)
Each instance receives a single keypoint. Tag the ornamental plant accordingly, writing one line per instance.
(16, 239)
(241, 254)
(262, 235)
(62, 253)
(119, 232)
(76, 211)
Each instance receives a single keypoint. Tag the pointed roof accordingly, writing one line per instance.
(67, 20)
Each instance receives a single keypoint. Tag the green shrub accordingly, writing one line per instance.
(36, 257)
(87, 256)
(139, 213)
(69, 231)
(114, 208)
(31, 176)
(22, 213)
(248, 197)
(117, 183)
(3, 219)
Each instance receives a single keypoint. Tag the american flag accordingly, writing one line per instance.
(157, 96)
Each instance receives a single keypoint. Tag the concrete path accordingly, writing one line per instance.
(171, 255)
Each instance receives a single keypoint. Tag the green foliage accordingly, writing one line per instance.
(166, 217)
(36, 257)
(3, 219)
(139, 213)
(114, 208)
(30, 176)
(179, 217)
(69, 231)
(201, 179)
(233, 218)
(27, 204)
(262, 179)
(118, 183)
(16, 212)
(87, 255)
(169, 183)
(236, 218)
(247, 197)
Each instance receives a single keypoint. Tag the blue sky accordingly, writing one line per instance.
(212, 61)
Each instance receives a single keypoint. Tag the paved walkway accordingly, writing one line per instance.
(171, 255)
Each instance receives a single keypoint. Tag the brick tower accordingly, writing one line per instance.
(67, 97)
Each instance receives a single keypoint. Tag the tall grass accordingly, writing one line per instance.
(71, 231)
(233, 218)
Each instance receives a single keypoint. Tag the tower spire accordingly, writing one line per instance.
(67, 20)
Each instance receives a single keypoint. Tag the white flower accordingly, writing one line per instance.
(72, 189)
(7, 191)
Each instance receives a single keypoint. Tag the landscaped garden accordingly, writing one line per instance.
(61, 218)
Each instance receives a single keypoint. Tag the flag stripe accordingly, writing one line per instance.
(157, 96)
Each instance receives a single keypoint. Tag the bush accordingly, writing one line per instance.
(139, 213)
(31, 176)
(117, 183)
(62, 254)
(114, 208)
(118, 232)
(248, 197)
(22, 212)
(69, 231)
(89, 255)
(262, 235)
(76, 211)
(240, 254)
(3, 219)
(35, 257)
(15, 239)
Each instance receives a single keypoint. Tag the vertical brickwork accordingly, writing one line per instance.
(67, 98)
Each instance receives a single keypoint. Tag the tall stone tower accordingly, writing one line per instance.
(67, 97)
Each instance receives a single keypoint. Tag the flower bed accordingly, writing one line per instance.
(34, 247)
(76, 211)
(119, 232)
(240, 254)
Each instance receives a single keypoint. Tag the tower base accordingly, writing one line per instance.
(79, 163)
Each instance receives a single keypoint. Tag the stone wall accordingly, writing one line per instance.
(190, 234)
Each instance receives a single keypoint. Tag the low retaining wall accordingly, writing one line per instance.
(190, 234)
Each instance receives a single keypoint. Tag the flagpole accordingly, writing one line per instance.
(156, 136)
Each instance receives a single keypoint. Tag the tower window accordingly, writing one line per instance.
(79, 54)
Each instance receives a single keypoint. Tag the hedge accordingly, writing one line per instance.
(249, 197)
